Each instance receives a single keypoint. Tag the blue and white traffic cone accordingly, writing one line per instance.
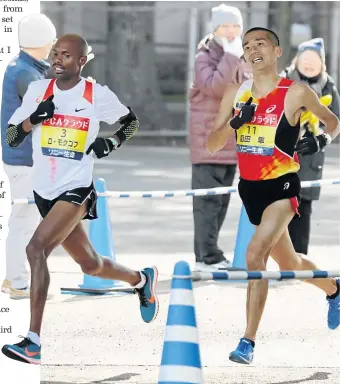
(245, 232)
(101, 237)
(181, 361)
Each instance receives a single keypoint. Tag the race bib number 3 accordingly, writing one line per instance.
(256, 140)
(64, 136)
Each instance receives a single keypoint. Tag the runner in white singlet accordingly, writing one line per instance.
(63, 116)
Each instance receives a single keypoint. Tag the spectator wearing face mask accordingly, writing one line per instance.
(219, 62)
(309, 67)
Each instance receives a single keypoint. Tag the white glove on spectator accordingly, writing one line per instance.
(234, 48)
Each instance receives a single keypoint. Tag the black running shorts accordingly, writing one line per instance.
(258, 195)
(87, 195)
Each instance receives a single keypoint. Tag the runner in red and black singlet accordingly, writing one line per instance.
(265, 145)
(265, 148)
(264, 113)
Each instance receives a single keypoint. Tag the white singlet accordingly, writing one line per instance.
(60, 162)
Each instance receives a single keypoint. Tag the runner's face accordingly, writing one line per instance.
(66, 59)
(259, 50)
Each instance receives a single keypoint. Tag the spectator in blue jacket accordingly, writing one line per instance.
(36, 37)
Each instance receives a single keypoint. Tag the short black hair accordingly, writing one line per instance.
(273, 36)
(78, 41)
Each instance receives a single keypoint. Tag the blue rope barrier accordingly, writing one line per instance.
(184, 193)
(262, 275)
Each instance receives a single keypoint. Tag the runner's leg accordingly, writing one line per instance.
(79, 247)
(274, 221)
(284, 254)
(52, 231)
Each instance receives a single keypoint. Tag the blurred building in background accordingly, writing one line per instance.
(145, 50)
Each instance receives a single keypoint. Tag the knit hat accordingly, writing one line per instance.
(225, 14)
(316, 45)
(36, 31)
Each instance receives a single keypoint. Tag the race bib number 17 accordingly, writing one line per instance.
(64, 136)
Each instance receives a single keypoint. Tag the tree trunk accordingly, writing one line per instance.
(280, 21)
(131, 69)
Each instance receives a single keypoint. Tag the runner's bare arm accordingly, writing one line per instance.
(222, 131)
(305, 97)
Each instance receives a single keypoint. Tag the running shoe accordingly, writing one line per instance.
(17, 294)
(6, 286)
(224, 265)
(244, 352)
(334, 310)
(25, 351)
(147, 295)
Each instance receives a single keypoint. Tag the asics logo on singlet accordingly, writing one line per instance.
(270, 109)
(286, 186)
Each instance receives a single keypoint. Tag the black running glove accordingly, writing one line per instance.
(245, 115)
(102, 147)
(311, 144)
(44, 111)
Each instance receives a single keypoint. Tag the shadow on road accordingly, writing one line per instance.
(319, 376)
(164, 288)
(109, 380)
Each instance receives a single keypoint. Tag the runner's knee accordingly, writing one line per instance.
(257, 256)
(35, 250)
(92, 266)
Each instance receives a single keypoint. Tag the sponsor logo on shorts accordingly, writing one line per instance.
(286, 186)
(72, 194)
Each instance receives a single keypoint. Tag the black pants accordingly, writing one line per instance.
(210, 211)
(299, 227)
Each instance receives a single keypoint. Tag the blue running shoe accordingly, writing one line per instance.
(334, 310)
(244, 352)
(25, 351)
(147, 295)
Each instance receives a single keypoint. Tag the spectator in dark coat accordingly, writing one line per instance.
(309, 67)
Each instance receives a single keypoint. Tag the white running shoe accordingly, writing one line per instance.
(223, 265)
(203, 267)
(200, 267)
